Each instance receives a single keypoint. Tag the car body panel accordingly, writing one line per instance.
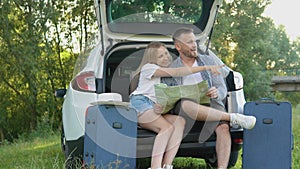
(74, 108)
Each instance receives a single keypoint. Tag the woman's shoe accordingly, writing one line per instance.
(167, 166)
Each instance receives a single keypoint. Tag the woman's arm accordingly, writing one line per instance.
(183, 71)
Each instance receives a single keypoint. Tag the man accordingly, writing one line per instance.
(185, 43)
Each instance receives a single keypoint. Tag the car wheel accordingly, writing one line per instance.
(143, 163)
(213, 162)
(233, 158)
(64, 145)
(72, 161)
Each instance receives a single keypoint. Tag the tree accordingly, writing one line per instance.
(251, 44)
(37, 57)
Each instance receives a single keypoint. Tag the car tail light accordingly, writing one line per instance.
(238, 141)
(85, 81)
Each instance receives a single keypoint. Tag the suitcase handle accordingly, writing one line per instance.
(267, 121)
(266, 100)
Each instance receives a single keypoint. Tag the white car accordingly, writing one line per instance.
(125, 28)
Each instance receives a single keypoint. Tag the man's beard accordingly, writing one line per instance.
(189, 53)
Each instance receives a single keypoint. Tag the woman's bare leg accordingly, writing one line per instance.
(175, 139)
(152, 121)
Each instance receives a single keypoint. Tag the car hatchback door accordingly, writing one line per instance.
(140, 20)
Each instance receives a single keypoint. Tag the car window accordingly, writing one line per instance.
(161, 11)
(193, 12)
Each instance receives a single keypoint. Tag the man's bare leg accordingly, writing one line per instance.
(203, 113)
(223, 145)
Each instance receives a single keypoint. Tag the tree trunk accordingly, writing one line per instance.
(1, 135)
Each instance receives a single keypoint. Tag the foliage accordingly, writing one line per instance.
(37, 57)
(251, 44)
(156, 11)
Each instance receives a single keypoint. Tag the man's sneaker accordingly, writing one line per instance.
(167, 166)
(247, 122)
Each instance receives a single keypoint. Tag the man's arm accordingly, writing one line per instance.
(217, 80)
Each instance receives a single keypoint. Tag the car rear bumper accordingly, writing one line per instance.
(189, 147)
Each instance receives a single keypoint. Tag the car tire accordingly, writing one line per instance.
(72, 162)
(233, 158)
(213, 162)
(64, 146)
(142, 163)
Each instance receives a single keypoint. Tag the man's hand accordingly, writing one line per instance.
(212, 93)
(158, 108)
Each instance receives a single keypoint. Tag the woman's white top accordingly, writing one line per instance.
(147, 81)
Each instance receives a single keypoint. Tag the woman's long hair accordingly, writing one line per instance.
(150, 56)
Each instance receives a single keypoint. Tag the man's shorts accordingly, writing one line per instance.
(178, 111)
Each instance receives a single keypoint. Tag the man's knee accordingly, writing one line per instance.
(189, 108)
(186, 103)
(223, 127)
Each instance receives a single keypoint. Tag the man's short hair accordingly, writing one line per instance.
(180, 31)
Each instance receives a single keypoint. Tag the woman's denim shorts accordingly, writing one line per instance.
(141, 103)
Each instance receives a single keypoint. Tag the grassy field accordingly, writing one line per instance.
(45, 153)
(40, 153)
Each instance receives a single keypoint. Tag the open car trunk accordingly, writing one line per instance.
(124, 59)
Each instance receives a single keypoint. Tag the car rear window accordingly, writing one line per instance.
(193, 12)
(161, 11)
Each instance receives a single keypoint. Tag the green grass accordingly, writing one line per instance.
(40, 153)
(45, 152)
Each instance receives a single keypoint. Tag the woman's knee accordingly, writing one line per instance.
(179, 124)
(180, 121)
(167, 128)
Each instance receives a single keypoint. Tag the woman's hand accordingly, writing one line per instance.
(158, 108)
(215, 69)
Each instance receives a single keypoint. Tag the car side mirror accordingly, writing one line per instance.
(60, 93)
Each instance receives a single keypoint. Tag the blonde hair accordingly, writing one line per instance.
(150, 55)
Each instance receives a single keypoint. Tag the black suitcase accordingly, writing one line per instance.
(110, 137)
(269, 144)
